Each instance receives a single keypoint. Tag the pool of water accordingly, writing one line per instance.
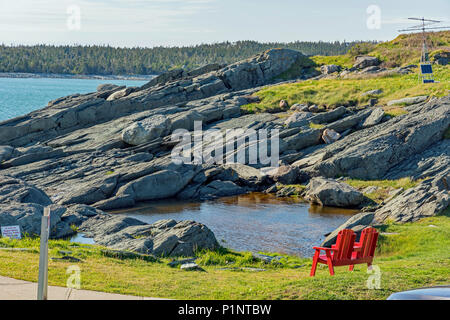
(254, 222)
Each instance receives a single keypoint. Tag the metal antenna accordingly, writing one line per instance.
(427, 24)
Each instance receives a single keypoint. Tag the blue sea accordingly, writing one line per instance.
(19, 96)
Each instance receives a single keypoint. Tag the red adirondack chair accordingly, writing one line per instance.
(346, 252)
(364, 250)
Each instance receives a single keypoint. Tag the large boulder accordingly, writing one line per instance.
(159, 185)
(6, 153)
(329, 192)
(146, 130)
(330, 68)
(285, 175)
(241, 173)
(263, 68)
(28, 217)
(163, 238)
(362, 62)
(16, 190)
(298, 119)
(219, 188)
(301, 140)
(375, 118)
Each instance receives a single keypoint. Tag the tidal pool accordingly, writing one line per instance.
(253, 222)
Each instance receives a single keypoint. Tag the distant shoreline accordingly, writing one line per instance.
(20, 75)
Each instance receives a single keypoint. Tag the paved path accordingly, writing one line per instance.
(12, 289)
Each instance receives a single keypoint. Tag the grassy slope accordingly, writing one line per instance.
(403, 50)
(415, 256)
(337, 92)
(384, 187)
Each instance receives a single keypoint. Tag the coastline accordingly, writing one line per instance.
(22, 75)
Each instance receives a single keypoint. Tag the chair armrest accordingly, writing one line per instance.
(325, 249)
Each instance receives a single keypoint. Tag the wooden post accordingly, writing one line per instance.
(43, 256)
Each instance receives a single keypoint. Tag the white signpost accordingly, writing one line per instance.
(12, 232)
(42, 293)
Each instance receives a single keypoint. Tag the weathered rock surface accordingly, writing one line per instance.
(146, 130)
(22, 207)
(112, 148)
(163, 238)
(16, 190)
(429, 163)
(362, 62)
(375, 118)
(431, 197)
(6, 153)
(298, 119)
(408, 101)
(329, 69)
(76, 111)
(332, 193)
(370, 153)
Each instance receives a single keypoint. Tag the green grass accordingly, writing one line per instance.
(345, 61)
(405, 183)
(406, 48)
(410, 256)
(297, 189)
(384, 187)
(316, 126)
(395, 111)
(348, 92)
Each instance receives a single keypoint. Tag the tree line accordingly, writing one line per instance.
(107, 60)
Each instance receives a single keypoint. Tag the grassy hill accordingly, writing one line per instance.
(404, 50)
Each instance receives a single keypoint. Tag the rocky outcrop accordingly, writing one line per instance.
(77, 111)
(362, 62)
(408, 101)
(370, 153)
(329, 69)
(159, 185)
(23, 205)
(164, 238)
(429, 163)
(375, 118)
(113, 148)
(146, 130)
(16, 190)
(332, 193)
(431, 197)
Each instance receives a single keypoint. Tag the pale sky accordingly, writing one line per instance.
(148, 23)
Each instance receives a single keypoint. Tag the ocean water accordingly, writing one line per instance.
(19, 96)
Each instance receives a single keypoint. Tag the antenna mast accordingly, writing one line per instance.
(426, 70)
(426, 24)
